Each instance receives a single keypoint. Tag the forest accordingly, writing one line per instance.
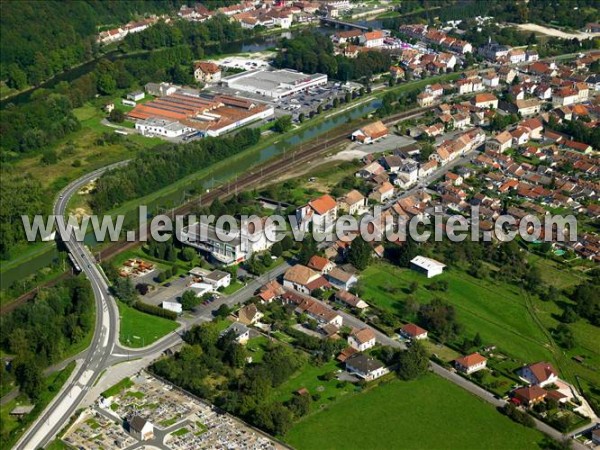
(22, 196)
(313, 52)
(46, 330)
(166, 164)
(41, 39)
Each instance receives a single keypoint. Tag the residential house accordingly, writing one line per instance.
(392, 163)
(491, 80)
(516, 56)
(303, 279)
(565, 96)
(500, 142)
(282, 19)
(543, 92)
(531, 56)
(362, 339)
(345, 36)
(520, 136)
(412, 331)
(428, 168)
(383, 192)
(540, 374)
(464, 86)
(321, 212)
(582, 91)
(408, 174)
(577, 146)
(372, 39)
(349, 299)
(365, 367)
(270, 291)
(341, 279)
(454, 178)
(437, 90)
(396, 72)
(529, 395)
(249, 314)
(470, 363)
(325, 316)
(207, 72)
(428, 266)
(425, 99)
(371, 170)
(477, 84)
(370, 133)
(535, 128)
(507, 74)
(218, 279)
(320, 264)
(528, 107)
(240, 332)
(353, 202)
(485, 100)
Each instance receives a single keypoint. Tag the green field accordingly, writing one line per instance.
(497, 312)
(139, 329)
(429, 413)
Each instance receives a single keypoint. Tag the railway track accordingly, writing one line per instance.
(259, 174)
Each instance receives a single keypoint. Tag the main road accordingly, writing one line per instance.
(104, 340)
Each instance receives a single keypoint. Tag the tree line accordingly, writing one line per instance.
(166, 164)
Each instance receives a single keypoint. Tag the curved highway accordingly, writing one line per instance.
(105, 338)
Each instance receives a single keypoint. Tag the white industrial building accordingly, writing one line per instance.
(274, 83)
(428, 266)
(161, 127)
(225, 246)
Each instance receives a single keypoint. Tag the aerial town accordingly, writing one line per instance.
(436, 168)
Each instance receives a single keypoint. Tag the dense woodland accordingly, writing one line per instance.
(313, 52)
(44, 331)
(41, 39)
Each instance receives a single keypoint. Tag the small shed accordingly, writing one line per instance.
(20, 411)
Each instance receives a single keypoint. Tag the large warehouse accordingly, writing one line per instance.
(212, 115)
(274, 83)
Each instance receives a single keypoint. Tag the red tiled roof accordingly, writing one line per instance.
(323, 204)
(471, 360)
(413, 330)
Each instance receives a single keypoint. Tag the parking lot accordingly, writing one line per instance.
(302, 102)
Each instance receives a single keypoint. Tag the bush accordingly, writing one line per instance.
(517, 415)
(155, 310)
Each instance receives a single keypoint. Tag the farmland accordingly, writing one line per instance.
(426, 413)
